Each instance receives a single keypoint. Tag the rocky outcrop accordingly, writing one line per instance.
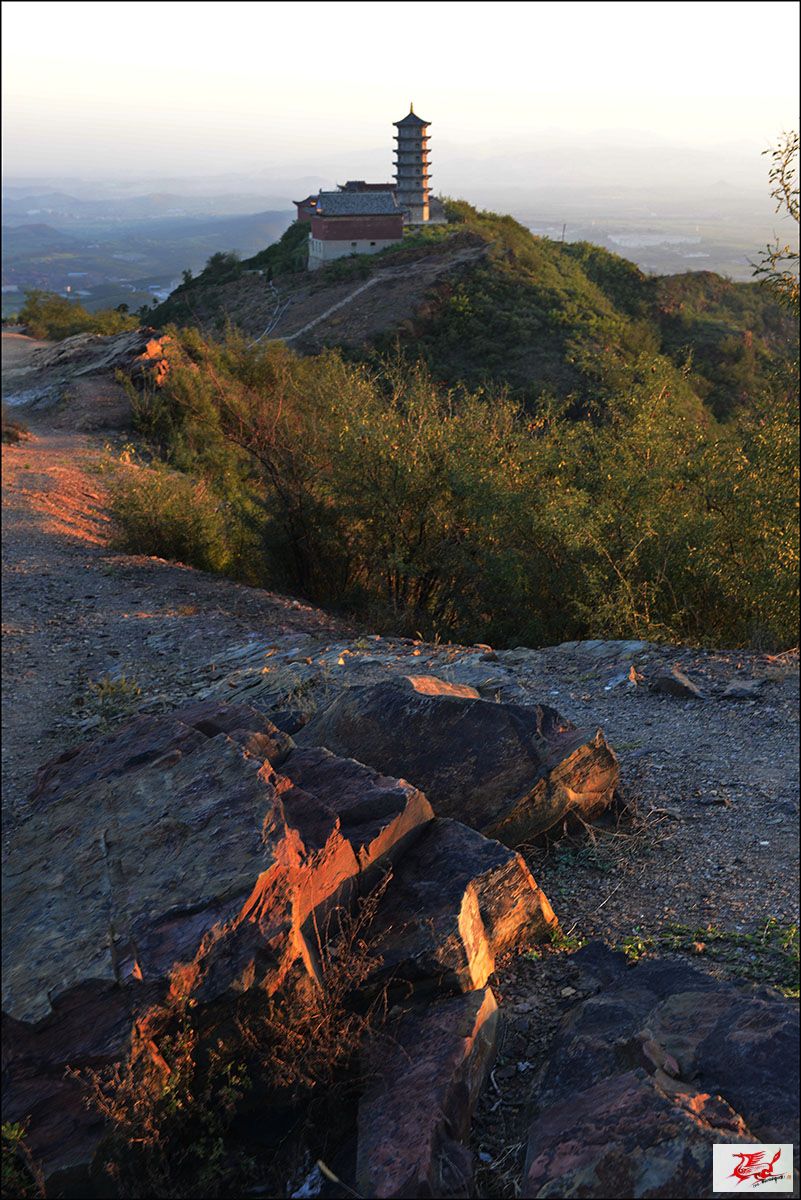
(202, 853)
(626, 1136)
(92, 358)
(510, 771)
(645, 1075)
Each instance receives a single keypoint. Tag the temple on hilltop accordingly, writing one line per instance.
(363, 218)
(346, 223)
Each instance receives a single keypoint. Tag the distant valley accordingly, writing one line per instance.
(122, 251)
(113, 244)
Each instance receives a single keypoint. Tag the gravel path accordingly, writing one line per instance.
(74, 611)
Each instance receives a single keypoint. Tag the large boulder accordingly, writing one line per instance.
(170, 846)
(510, 771)
(458, 902)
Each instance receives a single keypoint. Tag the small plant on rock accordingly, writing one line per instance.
(111, 699)
(21, 1175)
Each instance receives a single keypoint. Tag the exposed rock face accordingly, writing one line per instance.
(426, 1072)
(645, 1075)
(203, 851)
(509, 771)
(94, 356)
(172, 834)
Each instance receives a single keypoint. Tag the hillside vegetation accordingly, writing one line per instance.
(46, 315)
(552, 446)
(458, 514)
(546, 320)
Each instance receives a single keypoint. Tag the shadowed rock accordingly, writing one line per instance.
(426, 1071)
(647, 1074)
(512, 772)
(626, 1136)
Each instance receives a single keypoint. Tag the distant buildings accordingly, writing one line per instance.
(363, 218)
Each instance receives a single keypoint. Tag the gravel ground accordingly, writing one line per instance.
(699, 859)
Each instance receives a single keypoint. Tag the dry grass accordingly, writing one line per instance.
(177, 1110)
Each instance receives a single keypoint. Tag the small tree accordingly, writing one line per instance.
(779, 264)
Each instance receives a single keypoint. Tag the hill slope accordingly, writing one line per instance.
(486, 302)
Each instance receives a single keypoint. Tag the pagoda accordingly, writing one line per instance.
(411, 167)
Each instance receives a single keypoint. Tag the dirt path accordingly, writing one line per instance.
(74, 611)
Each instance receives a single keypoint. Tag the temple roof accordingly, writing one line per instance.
(359, 185)
(356, 204)
(308, 200)
(411, 119)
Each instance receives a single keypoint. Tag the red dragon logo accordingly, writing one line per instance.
(751, 1166)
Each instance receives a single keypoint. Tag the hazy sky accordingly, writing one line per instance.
(206, 88)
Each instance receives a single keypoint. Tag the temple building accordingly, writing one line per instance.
(358, 185)
(362, 217)
(346, 223)
(411, 167)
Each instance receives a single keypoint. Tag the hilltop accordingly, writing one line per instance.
(485, 302)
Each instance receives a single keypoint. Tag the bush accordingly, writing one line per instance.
(161, 512)
(457, 514)
(52, 317)
(14, 431)
(21, 1175)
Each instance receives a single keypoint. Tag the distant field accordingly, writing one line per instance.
(667, 247)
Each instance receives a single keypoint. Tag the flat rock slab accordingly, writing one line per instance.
(675, 683)
(458, 901)
(426, 1072)
(510, 771)
(625, 1136)
(744, 689)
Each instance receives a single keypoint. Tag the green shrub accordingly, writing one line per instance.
(46, 315)
(290, 253)
(21, 1175)
(161, 512)
(458, 514)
